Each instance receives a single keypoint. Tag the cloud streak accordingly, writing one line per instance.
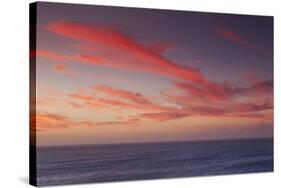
(48, 54)
(237, 39)
(140, 57)
(109, 47)
(116, 99)
(119, 99)
(59, 67)
(48, 121)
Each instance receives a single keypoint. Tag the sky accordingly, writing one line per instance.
(121, 75)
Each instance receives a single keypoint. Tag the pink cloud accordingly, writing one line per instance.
(128, 95)
(47, 121)
(48, 54)
(116, 99)
(211, 93)
(146, 58)
(165, 116)
(109, 47)
(237, 39)
(58, 67)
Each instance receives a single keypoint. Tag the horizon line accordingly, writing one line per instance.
(154, 142)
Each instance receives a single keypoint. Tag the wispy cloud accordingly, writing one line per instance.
(49, 121)
(58, 67)
(212, 93)
(116, 99)
(124, 52)
(188, 105)
(108, 46)
(165, 116)
(48, 54)
(237, 39)
(124, 94)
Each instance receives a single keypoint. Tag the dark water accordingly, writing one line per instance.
(121, 162)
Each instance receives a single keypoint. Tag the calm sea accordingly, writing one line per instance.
(122, 162)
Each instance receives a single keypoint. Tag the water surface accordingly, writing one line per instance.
(123, 162)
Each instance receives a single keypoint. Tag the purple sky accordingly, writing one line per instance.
(164, 69)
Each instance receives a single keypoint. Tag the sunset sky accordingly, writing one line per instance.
(114, 75)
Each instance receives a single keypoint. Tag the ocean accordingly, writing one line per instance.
(57, 165)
